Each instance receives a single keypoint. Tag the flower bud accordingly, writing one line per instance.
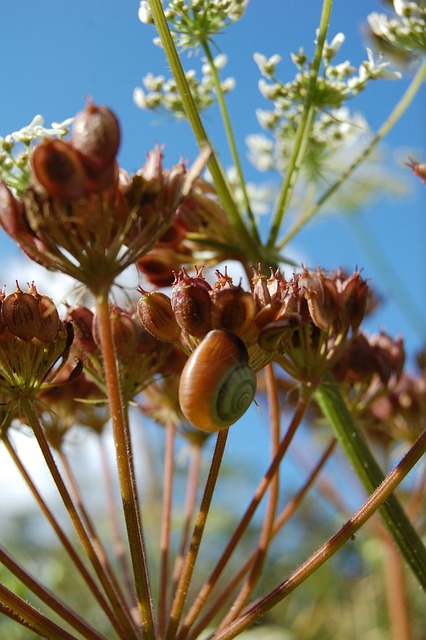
(192, 305)
(82, 319)
(49, 325)
(353, 301)
(59, 169)
(156, 315)
(96, 135)
(232, 309)
(11, 213)
(322, 296)
(21, 315)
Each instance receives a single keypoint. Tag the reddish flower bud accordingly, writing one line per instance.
(11, 213)
(59, 169)
(192, 305)
(322, 297)
(82, 319)
(50, 322)
(158, 266)
(125, 333)
(156, 315)
(233, 309)
(21, 314)
(353, 301)
(96, 135)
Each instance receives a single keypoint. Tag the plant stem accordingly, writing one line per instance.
(123, 625)
(31, 618)
(231, 139)
(281, 519)
(198, 129)
(271, 508)
(329, 548)
(393, 118)
(166, 526)
(59, 532)
(207, 588)
(369, 473)
(191, 557)
(396, 591)
(49, 598)
(125, 469)
(303, 131)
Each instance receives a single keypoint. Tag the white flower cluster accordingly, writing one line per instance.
(406, 30)
(158, 93)
(14, 162)
(195, 21)
(333, 127)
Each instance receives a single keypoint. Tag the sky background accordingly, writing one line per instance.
(54, 53)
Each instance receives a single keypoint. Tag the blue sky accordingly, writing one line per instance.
(54, 53)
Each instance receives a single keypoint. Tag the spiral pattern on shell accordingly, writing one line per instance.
(217, 385)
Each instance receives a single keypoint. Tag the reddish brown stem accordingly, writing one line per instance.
(245, 520)
(126, 474)
(327, 550)
(191, 556)
(165, 527)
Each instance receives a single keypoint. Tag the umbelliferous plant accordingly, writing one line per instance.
(219, 321)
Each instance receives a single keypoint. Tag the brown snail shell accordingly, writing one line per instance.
(217, 385)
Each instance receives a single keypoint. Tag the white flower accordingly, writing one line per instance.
(36, 130)
(266, 65)
(144, 13)
(337, 42)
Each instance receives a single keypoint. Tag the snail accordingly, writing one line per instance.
(217, 385)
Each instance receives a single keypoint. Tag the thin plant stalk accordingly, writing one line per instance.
(396, 591)
(280, 521)
(369, 473)
(31, 617)
(119, 547)
(271, 508)
(263, 604)
(190, 500)
(198, 127)
(96, 542)
(231, 139)
(75, 558)
(392, 119)
(123, 624)
(166, 526)
(191, 556)
(125, 469)
(300, 144)
(49, 598)
(258, 494)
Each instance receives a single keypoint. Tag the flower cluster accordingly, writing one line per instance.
(405, 32)
(159, 93)
(32, 340)
(196, 21)
(303, 324)
(83, 216)
(333, 128)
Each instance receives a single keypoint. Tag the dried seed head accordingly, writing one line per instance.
(21, 314)
(50, 322)
(82, 320)
(191, 304)
(156, 315)
(96, 135)
(353, 301)
(232, 309)
(59, 169)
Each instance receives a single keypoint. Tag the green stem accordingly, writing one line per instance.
(191, 557)
(198, 128)
(125, 469)
(327, 550)
(303, 131)
(231, 139)
(395, 115)
(357, 451)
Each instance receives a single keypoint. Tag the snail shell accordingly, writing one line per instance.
(217, 385)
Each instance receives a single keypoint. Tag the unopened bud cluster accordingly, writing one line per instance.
(83, 216)
(32, 340)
